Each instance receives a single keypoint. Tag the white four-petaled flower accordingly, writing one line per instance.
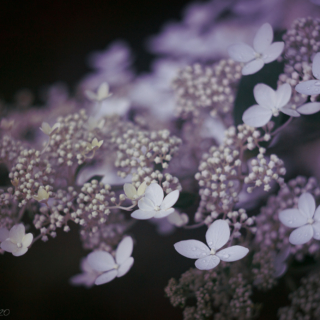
(131, 191)
(270, 102)
(263, 51)
(306, 219)
(153, 205)
(102, 93)
(16, 240)
(217, 236)
(104, 262)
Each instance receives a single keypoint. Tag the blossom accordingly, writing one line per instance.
(16, 241)
(94, 123)
(94, 145)
(263, 51)
(104, 262)
(42, 196)
(132, 193)
(178, 219)
(217, 236)
(46, 129)
(102, 93)
(270, 102)
(153, 205)
(306, 219)
(88, 276)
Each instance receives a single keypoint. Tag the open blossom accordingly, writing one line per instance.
(153, 205)
(46, 129)
(103, 262)
(132, 193)
(102, 93)
(208, 258)
(306, 219)
(270, 102)
(94, 145)
(263, 51)
(42, 195)
(16, 240)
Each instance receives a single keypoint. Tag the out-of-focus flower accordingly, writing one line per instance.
(102, 93)
(153, 205)
(178, 219)
(42, 196)
(6, 124)
(270, 102)
(15, 182)
(217, 236)
(306, 219)
(87, 277)
(280, 266)
(101, 261)
(263, 51)
(16, 241)
(94, 145)
(46, 129)
(93, 123)
(132, 193)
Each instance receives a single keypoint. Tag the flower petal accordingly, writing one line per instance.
(163, 213)
(20, 252)
(316, 66)
(192, 249)
(4, 234)
(106, 277)
(292, 218)
(316, 230)
(103, 91)
(218, 234)
(207, 263)
(307, 204)
(241, 52)
(129, 190)
(142, 188)
(309, 108)
(279, 269)
(265, 96)
(290, 112)
(124, 250)
(311, 87)
(17, 232)
(317, 214)
(101, 261)
(256, 116)
(155, 193)
(252, 67)
(86, 279)
(125, 267)
(8, 246)
(233, 253)
(146, 204)
(283, 95)
(143, 215)
(263, 38)
(273, 52)
(27, 240)
(170, 200)
(90, 95)
(301, 235)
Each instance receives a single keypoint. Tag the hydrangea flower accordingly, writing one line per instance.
(263, 51)
(16, 241)
(153, 205)
(102, 93)
(306, 219)
(101, 261)
(217, 236)
(42, 195)
(46, 129)
(270, 102)
(132, 193)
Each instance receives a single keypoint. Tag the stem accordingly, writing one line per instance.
(35, 239)
(282, 127)
(194, 226)
(20, 215)
(123, 208)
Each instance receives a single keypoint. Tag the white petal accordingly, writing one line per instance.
(207, 263)
(316, 66)
(101, 261)
(124, 250)
(292, 218)
(263, 38)
(218, 234)
(146, 204)
(143, 215)
(284, 253)
(106, 277)
(8, 246)
(256, 116)
(283, 95)
(20, 252)
(273, 52)
(311, 87)
(155, 193)
(90, 95)
(17, 232)
(142, 188)
(45, 128)
(192, 249)
(290, 112)
(103, 91)
(307, 204)
(309, 108)
(252, 67)
(125, 267)
(4, 234)
(163, 213)
(233, 253)
(317, 214)
(301, 235)
(279, 269)
(85, 279)
(241, 52)
(27, 240)
(316, 230)
(265, 96)
(85, 266)
(170, 200)
(129, 190)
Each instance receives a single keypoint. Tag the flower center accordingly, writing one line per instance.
(275, 112)
(19, 244)
(310, 221)
(116, 266)
(213, 251)
(156, 208)
(258, 55)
